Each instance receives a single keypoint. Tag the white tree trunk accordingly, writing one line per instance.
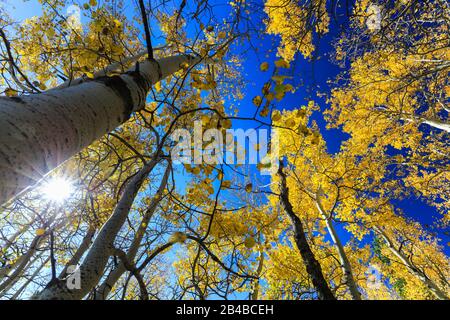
(20, 265)
(346, 267)
(39, 132)
(11, 239)
(84, 246)
(105, 288)
(437, 292)
(28, 281)
(112, 68)
(438, 124)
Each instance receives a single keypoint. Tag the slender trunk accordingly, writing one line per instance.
(345, 264)
(435, 123)
(437, 292)
(35, 273)
(438, 124)
(313, 267)
(22, 263)
(92, 268)
(105, 288)
(11, 240)
(39, 132)
(85, 243)
(18, 277)
(114, 67)
(255, 292)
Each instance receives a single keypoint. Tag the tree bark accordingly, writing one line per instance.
(105, 288)
(438, 124)
(345, 263)
(39, 132)
(313, 267)
(85, 243)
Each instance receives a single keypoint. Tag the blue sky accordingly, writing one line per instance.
(314, 77)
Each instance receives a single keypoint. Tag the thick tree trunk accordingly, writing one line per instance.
(345, 264)
(92, 268)
(105, 288)
(313, 267)
(437, 292)
(39, 132)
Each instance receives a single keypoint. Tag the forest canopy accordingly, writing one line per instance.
(208, 149)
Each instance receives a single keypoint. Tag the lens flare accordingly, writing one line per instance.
(57, 189)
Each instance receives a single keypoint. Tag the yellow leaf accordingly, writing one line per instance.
(178, 237)
(249, 242)
(264, 66)
(40, 232)
(270, 96)
(264, 112)
(248, 187)
(301, 113)
(226, 184)
(282, 63)
(276, 115)
(290, 123)
(158, 86)
(10, 92)
(117, 23)
(226, 124)
(257, 101)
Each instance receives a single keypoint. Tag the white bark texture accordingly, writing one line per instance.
(39, 132)
(105, 288)
(438, 124)
(437, 292)
(84, 246)
(346, 267)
